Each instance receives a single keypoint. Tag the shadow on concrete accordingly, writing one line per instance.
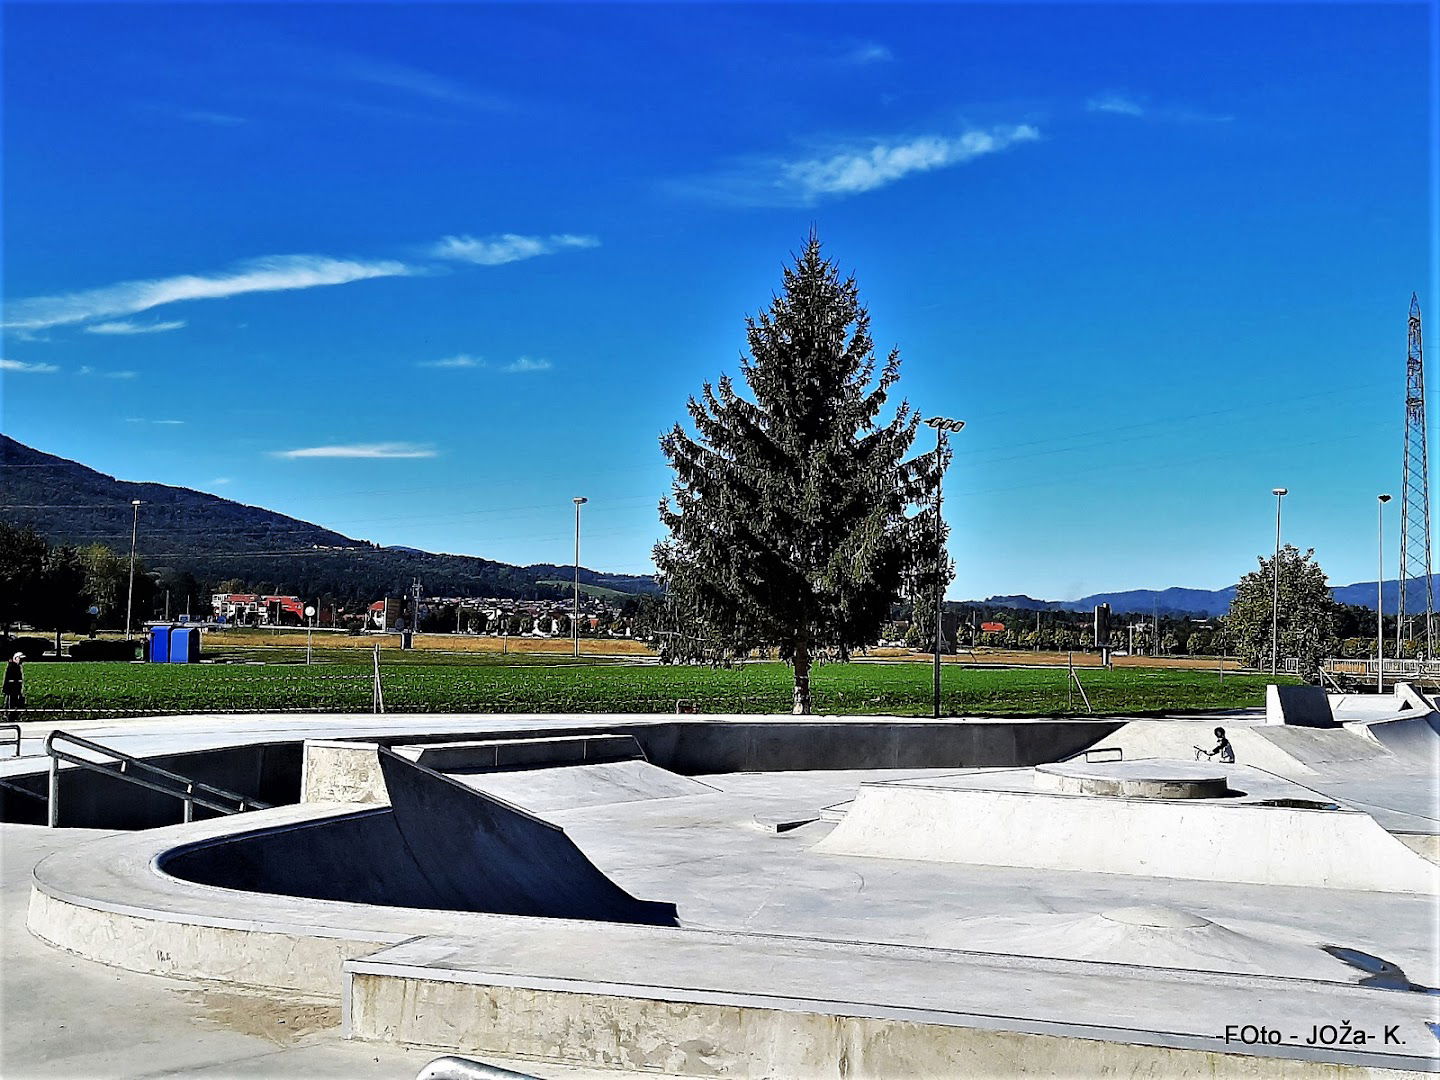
(1381, 973)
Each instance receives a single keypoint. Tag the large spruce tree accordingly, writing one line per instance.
(791, 525)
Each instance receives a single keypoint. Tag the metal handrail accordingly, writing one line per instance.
(16, 729)
(194, 791)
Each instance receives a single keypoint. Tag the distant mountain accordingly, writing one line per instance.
(217, 539)
(1208, 602)
(1142, 601)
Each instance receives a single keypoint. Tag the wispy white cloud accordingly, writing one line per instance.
(175, 111)
(273, 274)
(414, 81)
(1140, 108)
(461, 361)
(163, 423)
(853, 171)
(360, 450)
(525, 364)
(507, 247)
(865, 53)
(20, 366)
(88, 370)
(125, 327)
(846, 169)
(1115, 103)
(220, 481)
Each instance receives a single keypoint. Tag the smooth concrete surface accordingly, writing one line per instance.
(567, 787)
(872, 966)
(1197, 839)
(1349, 764)
(1145, 779)
(751, 1009)
(63, 1017)
(340, 771)
(732, 875)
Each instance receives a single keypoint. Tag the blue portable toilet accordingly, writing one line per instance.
(184, 645)
(159, 645)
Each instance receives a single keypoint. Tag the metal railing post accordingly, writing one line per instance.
(141, 773)
(52, 809)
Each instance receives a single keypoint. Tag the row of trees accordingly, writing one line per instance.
(55, 586)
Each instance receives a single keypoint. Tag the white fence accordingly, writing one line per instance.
(1370, 668)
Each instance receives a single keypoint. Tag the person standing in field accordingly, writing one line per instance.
(14, 686)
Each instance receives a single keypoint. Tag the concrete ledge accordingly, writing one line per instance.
(755, 1012)
(522, 753)
(1144, 779)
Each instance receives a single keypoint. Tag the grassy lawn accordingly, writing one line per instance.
(433, 683)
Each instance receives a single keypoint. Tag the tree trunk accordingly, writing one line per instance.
(802, 681)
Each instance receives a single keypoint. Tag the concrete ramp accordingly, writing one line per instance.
(479, 853)
(568, 787)
(1414, 739)
(555, 772)
(439, 845)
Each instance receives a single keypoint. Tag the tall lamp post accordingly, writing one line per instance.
(941, 426)
(1279, 494)
(1380, 502)
(130, 595)
(575, 619)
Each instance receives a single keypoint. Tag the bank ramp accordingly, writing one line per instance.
(439, 844)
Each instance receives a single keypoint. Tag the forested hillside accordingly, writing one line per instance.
(221, 541)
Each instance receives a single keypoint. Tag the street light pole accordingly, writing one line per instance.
(1381, 500)
(575, 619)
(941, 426)
(1279, 494)
(130, 595)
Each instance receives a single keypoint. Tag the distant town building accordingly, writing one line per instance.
(251, 609)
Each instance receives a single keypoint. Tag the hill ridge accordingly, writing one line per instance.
(216, 538)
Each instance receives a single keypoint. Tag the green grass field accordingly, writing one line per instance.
(437, 683)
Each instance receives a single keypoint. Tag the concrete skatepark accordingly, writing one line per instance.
(735, 896)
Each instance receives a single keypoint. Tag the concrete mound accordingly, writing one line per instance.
(1299, 841)
(1153, 936)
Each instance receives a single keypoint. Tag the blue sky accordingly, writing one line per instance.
(423, 273)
